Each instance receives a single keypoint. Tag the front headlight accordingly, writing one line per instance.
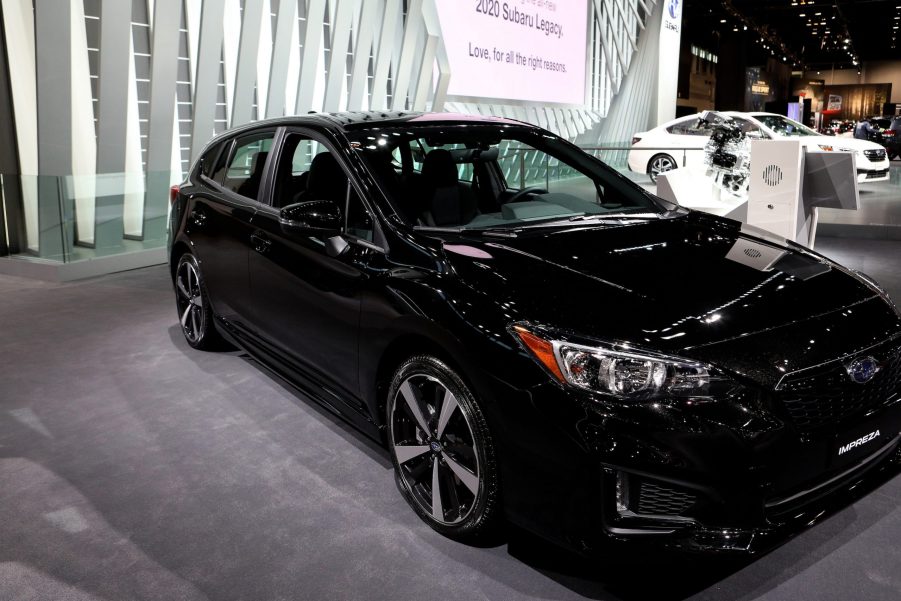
(617, 372)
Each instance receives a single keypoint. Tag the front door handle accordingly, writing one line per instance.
(260, 242)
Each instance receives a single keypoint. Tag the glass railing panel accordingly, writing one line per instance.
(82, 217)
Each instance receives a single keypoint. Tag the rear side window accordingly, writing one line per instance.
(691, 127)
(243, 169)
(208, 161)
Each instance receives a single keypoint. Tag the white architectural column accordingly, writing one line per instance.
(18, 25)
(668, 66)
(337, 69)
(163, 75)
(53, 67)
(404, 74)
(248, 52)
(285, 26)
(209, 54)
(112, 121)
(433, 28)
(359, 78)
(82, 186)
(312, 48)
(387, 42)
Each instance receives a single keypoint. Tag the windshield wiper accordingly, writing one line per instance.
(499, 233)
(616, 217)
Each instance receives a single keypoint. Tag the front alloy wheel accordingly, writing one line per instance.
(660, 164)
(194, 311)
(441, 448)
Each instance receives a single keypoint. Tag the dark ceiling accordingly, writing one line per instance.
(814, 34)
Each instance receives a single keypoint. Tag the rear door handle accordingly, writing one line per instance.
(198, 216)
(260, 242)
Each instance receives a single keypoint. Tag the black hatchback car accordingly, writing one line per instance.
(535, 338)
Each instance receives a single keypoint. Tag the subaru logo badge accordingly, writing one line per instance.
(435, 446)
(862, 370)
(673, 8)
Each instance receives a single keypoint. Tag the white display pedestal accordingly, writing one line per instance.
(692, 189)
(774, 197)
(787, 187)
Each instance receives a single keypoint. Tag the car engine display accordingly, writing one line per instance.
(727, 154)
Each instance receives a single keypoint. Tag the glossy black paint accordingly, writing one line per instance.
(337, 325)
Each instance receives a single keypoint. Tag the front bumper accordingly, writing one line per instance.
(783, 517)
(872, 171)
(724, 477)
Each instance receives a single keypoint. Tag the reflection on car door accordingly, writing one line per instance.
(307, 302)
(219, 223)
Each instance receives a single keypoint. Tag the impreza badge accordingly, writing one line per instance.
(859, 442)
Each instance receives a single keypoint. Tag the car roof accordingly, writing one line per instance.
(352, 120)
(357, 120)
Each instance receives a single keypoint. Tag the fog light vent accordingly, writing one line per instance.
(661, 499)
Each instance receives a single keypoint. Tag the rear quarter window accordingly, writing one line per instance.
(207, 161)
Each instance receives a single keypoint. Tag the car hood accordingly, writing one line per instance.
(681, 286)
(812, 143)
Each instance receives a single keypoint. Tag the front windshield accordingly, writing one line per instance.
(785, 127)
(487, 176)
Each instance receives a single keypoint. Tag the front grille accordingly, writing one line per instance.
(662, 499)
(830, 396)
(875, 155)
(877, 174)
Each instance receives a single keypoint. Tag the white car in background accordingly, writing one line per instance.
(680, 143)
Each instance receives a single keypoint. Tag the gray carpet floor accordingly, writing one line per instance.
(132, 467)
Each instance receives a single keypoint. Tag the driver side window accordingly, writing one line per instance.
(309, 171)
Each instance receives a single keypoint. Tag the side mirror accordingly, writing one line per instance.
(321, 217)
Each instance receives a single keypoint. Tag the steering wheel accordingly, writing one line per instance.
(525, 192)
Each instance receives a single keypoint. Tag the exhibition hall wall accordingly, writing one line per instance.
(871, 72)
(113, 100)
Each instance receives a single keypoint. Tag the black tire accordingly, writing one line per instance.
(459, 443)
(660, 163)
(193, 302)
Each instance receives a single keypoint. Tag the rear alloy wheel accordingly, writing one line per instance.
(194, 312)
(660, 163)
(442, 451)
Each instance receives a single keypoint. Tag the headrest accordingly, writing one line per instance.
(439, 169)
(325, 177)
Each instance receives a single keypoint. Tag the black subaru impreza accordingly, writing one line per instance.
(535, 338)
